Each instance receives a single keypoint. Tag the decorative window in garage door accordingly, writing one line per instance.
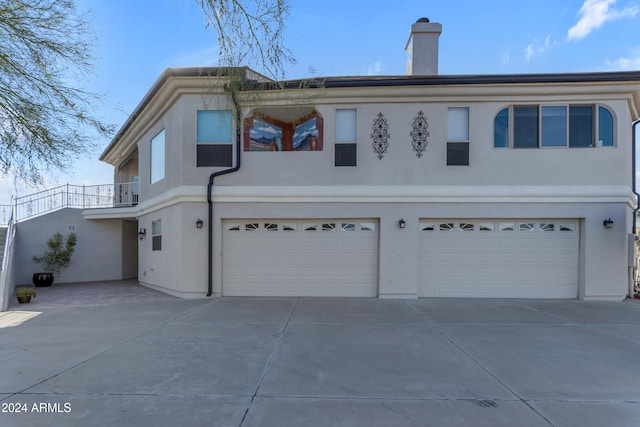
(304, 257)
(509, 225)
(302, 226)
(498, 258)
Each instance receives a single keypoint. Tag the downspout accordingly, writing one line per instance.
(634, 132)
(634, 141)
(209, 195)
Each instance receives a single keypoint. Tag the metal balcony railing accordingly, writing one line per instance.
(70, 196)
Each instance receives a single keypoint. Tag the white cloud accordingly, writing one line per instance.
(594, 13)
(268, 129)
(374, 69)
(536, 48)
(631, 62)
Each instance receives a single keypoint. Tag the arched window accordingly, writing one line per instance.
(605, 127)
(554, 125)
(501, 129)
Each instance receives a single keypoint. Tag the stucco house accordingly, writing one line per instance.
(424, 185)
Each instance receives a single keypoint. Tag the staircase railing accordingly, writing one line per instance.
(6, 211)
(6, 274)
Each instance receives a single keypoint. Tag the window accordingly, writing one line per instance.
(506, 226)
(348, 226)
(581, 126)
(466, 226)
(605, 128)
(157, 157)
(501, 129)
(345, 154)
(526, 227)
(346, 125)
(214, 138)
(346, 137)
(449, 226)
(554, 126)
(367, 226)
(543, 126)
(525, 127)
(547, 226)
(458, 136)
(427, 226)
(567, 227)
(156, 235)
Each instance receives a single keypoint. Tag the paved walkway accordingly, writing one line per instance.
(119, 354)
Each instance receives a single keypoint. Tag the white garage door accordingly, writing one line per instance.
(499, 258)
(300, 258)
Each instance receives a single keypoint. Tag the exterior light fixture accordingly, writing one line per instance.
(608, 223)
(142, 233)
(401, 223)
(199, 223)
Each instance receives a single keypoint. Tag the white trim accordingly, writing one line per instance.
(110, 213)
(374, 194)
(423, 194)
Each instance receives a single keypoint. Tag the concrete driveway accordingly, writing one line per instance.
(120, 354)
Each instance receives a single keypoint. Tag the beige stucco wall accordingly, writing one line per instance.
(181, 267)
(97, 255)
(400, 165)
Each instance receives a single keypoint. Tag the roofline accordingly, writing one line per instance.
(476, 79)
(157, 85)
(379, 81)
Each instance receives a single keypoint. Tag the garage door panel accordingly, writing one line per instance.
(499, 258)
(300, 257)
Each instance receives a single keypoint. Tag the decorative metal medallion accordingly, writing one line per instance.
(380, 135)
(420, 134)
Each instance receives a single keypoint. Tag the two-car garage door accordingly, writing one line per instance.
(499, 258)
(468, 258)
(300, 258)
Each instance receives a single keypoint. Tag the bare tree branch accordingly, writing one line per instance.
(46, 119)
(251, 32)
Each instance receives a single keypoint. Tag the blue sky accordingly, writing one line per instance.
(137, 40)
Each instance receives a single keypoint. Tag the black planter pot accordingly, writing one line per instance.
(41, 280)
(24, 300)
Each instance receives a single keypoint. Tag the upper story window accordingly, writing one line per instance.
(214, 138)
(346, 136)
(543, 126)
(458, 136)
(283, 129)
(157, 157)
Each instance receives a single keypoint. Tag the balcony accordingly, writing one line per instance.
(119, 195)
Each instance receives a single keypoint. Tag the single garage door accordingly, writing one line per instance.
(512, 258)
(337, 257)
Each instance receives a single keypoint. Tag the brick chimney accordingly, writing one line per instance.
(422, 48)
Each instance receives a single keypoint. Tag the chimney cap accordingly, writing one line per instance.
(425, 20)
